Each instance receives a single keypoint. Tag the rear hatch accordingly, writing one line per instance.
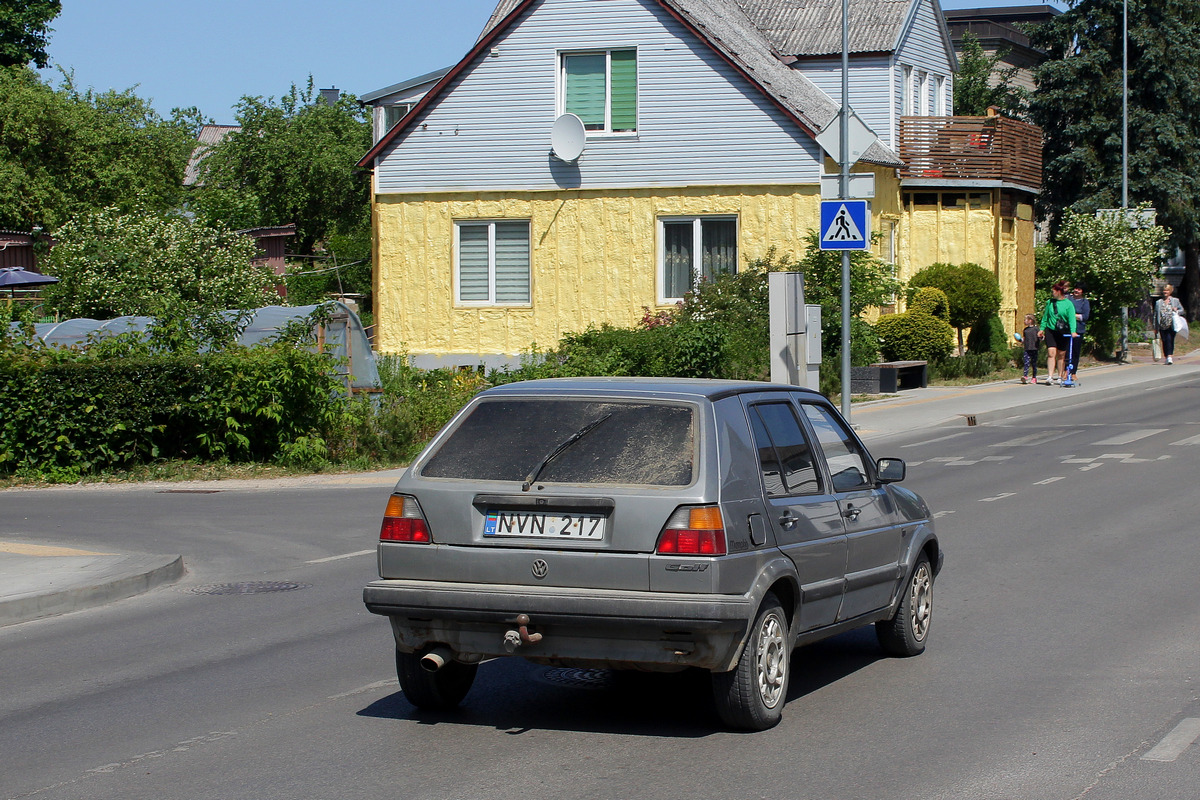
(552, 491)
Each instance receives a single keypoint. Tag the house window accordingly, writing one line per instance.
(939, 95)
(923, 94)
(694, 248)
(907, 92)
(393, 114)
(600, 88)
(492, 260)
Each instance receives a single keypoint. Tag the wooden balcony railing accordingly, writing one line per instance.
(979, 148)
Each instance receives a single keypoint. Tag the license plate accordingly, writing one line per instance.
(544, 525)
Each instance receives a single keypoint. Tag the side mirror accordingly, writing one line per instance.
(889, 470)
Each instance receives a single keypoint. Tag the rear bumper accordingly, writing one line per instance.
(578, 627)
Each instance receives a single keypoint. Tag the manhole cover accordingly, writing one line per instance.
(588, 678)
(249, 587)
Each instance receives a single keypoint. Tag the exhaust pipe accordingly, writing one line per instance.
(436, 658)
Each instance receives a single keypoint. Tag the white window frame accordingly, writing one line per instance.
(939, 95)
(561, 88)
(697, 248)
(491, 301)
(923, 95)
(906, 98)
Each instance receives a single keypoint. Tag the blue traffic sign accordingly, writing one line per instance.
(845, 225)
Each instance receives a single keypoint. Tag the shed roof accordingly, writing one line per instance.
(209, 135)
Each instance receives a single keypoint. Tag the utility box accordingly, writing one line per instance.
(795, 334)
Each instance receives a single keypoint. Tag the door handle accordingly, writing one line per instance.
(851, 513)
(788, 520)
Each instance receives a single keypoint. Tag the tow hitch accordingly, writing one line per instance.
(515, 638)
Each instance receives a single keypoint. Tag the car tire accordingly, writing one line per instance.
(751, 696)
(434, 691)
(906, 633)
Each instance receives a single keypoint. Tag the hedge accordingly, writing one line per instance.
(65, 410)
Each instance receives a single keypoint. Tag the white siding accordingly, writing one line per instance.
(923, 48)
(870, 89)
(698, 122)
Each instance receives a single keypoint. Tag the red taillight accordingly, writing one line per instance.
(693, 532)
(404, 522)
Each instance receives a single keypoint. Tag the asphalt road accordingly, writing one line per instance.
(1064, 652)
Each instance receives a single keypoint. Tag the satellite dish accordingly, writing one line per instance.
(567, 137)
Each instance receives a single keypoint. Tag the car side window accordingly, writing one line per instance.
(846, 459)
(784, 453)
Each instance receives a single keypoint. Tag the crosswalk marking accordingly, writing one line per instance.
(1188, 442)
(1035, 439)
(1175, 742)
(1048, 480)
(1130, 436)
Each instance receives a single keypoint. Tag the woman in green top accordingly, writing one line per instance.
(1058, 328)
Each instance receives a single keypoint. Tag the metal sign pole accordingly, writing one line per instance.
(844, 194)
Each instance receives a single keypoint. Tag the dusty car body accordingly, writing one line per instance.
(655, 524)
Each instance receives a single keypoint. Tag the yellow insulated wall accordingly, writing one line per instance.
(593, 258)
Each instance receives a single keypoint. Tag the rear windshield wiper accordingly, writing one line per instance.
(553, 454)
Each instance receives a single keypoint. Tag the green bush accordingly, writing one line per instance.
(914, 336)
(931, 300)
(76, 410)
(988, 336)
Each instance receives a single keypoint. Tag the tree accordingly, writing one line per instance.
(973, 292)
(154, 264)
(1116, 262)
(25, 31)
(64, 152)
(1078, 105)
(292, 161)
(872, 282)
(980, 83)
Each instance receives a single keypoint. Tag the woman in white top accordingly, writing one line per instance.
(1165, 310)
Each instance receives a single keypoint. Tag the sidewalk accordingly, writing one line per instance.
(41, 580)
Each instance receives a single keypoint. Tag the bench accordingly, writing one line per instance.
(888, 377)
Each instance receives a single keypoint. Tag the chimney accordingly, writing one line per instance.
(331, 96)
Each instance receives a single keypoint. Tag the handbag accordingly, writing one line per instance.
(1062, 325)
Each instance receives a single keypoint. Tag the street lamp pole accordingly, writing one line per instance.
(1125, 156)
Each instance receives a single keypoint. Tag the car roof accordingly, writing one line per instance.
(680, 388)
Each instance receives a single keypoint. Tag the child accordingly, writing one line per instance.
(1030, 358)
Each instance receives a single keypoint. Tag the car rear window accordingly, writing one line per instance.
(631, 443)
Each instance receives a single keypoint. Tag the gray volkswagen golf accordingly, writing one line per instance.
(651, 524)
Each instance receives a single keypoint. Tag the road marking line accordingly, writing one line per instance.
(1049, 480)
(370, 687)
(1130, 436)
(996, 458)
(1000, 496)
(1175, 742)
(1191, 440)
(939, 439)
(942, 514)
(1087, 467)
(960, 463)
(1035, 439)
(1115, 455)
(339, 558)
(22, 549)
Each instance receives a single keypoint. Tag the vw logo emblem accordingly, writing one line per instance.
(540, 568)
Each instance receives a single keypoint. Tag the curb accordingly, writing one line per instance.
(122, 577)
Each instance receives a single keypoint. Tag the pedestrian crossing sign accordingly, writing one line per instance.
(845, 225)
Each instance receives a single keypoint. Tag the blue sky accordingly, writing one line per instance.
(210, 54)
